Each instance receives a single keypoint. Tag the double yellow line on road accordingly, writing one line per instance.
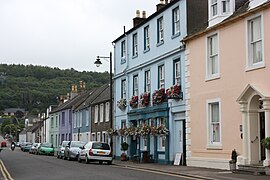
(4, 171)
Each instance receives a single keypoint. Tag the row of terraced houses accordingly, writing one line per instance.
(196, 68)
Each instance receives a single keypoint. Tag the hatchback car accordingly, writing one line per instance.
(25, 147)
(73, 149)
(34, 148)
(46, 149)
(96, 151)
(61, 149)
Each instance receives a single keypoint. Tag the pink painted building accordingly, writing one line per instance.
(228, 85)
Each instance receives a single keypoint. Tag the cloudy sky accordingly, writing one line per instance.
(64, 33)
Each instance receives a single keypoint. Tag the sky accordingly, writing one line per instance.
(65, 33)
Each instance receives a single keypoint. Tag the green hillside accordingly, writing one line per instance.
(36, 87)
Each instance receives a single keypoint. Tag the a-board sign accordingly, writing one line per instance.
(177, 159)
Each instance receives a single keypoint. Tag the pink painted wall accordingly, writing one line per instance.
(233, 80)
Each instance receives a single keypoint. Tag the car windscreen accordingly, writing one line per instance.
(76, 144)
(49, 145)
(103, 146)
(65, 143)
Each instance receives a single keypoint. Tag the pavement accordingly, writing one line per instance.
(189, 172)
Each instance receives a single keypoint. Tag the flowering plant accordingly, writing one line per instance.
(123, 131)
(144, 99)
(144, 130)
(122, 104)
(173, 92)
(162, 130)
(158, 96)
(133, 102)
(112, 132)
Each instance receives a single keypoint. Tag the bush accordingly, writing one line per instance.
(266, 143)
(124, 146)
(233, 156)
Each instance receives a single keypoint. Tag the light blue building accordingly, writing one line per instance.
(149, 62)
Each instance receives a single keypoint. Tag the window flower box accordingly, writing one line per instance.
(122, 104)
(159, 96)
(174, 92)
(133, 102)
(145, 99)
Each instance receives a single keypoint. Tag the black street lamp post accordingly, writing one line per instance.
(98, 63)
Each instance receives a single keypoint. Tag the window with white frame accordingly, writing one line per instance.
(135, 45)
(214, 8)
(52, 122)
(96, 114)
(176, 21)
(123, 89)
(74, 120)
(214, 132)
(93, 137)
(123, 49)
(87, 115)
(107, 111)
(213, 62)
(98, 136)
(101, 112)
(104, 137)
(255, 41)
(135, 85)
(177, 73)
(80, 125)
(146, 38)
(56, 123)
(143, 143)
(225, 6)
(160, 30)
(161, 76)
(161, 139)
(147, 81)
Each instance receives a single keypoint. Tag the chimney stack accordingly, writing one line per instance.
(161, 5)
(138, 19)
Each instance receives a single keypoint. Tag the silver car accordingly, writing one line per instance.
(61, 149)
(96, 151)
(73, 149)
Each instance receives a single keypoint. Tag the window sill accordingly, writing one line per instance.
(211, 78)
(146, 50)
(255, 67)
(136, 55)
(176, 35)
(160, 43)
(214, 147)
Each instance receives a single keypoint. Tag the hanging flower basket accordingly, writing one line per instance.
(162, 130)
(174, 92)
(145, 99)
(122, 104)
(144, 130)
(133, 102)
(112, 132)
(159, 96)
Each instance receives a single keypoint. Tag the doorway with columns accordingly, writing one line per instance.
(255, 109)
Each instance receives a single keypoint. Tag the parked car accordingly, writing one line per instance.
(25, 146)
(73, 149)
(96, 151)
(3, 144)
(61, 149)
(34, 148)
(46, 149)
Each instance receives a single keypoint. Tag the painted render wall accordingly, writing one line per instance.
(233, 80)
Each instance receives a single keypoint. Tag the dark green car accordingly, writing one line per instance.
(46, 149)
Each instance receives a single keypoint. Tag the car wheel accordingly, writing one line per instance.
(109, 162)
(100, 162)
(86, 160)
(69, 159)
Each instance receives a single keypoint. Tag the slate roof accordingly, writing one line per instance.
(104, 96)
(94, 95)
(72, 102)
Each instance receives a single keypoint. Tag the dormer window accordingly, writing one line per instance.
(225, 6)
(214, 4)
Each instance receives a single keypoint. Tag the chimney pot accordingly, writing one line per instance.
(144, 14)
(138, 14)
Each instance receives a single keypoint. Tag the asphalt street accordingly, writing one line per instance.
(24, 166)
